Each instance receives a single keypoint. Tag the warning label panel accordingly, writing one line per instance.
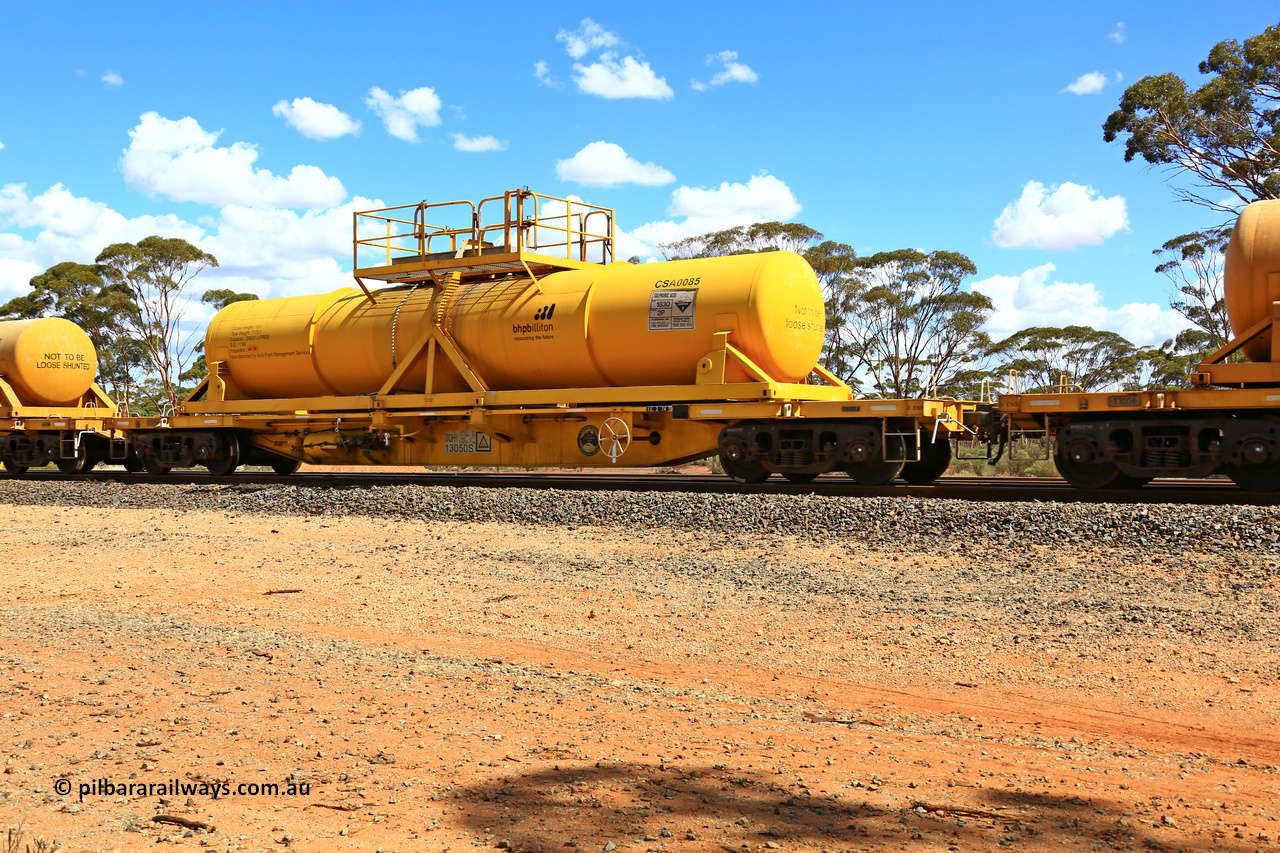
(672, 310)
(467, 441)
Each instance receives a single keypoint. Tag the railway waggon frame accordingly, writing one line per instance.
(758, 425)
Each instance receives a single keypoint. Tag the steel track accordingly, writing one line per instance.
(1019, 489)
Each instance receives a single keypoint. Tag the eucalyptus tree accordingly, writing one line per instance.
(1223, 136)
(912, 325)
(1194, 263)
(155, 273)
(1044, 357)
(77, 292)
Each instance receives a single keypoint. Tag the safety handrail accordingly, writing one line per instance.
(526, 222)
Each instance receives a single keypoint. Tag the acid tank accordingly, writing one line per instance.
(48, 362)
(1252, 277)
(611, 326)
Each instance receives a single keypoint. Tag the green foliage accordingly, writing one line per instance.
(1194, 263)
(911, 325)
(77, 292)
(1168, 365)
(155, 272)
(1093, 359)
(1024, 459)
(1224, 135)
(743, 240)
(221, 297)
(835, 264)
(901, 318)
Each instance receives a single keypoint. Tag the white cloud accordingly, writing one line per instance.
(403, 115)
(629, 78)
(542, 73)
(605, 164)
(111, 78)
(267, 251)
(763, 195)
(1032, 299)
(627, 246)
(316, 120)
(1092, 83)
(1, 146)
(1119, 35)
(478, 143)
(280, 252)
(16, 275)
(179, 159)
(761, 199)
(733, 71)
(1067, 216)
(587, 37)
(69, 228)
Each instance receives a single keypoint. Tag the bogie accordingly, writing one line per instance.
(1130, 452)
(870, 451)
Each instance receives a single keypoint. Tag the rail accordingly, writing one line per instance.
(1205, 492)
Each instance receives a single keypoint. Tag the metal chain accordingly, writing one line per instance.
(394, 318)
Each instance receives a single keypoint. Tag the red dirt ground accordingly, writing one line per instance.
(451, 686)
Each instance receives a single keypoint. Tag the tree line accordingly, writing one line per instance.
(903, 324)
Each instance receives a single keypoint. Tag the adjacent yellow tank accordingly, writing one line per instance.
(618, 325)
(49, 361)
(1252, 277)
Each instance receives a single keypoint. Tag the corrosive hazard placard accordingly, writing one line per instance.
(467, 441)
(671, 310)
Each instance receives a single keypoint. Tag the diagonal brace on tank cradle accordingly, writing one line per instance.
(713, 368)
(435, 340)
(1212, 371)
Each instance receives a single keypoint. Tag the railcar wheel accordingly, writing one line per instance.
(1089, 474)
(132, 464)
(81, 463)
(1256, 478)
(805, 477)
(935, 458)
(14, 468)
(874, 471)
(226, 458)
(744, 472)
(152, 466)
(285, 467)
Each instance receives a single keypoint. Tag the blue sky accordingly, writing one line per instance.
(926, 125)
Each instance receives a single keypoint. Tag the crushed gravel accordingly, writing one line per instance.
(882, 521)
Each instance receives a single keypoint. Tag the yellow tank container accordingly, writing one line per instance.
(617, 325)
(49, 361)
(1252, 277)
